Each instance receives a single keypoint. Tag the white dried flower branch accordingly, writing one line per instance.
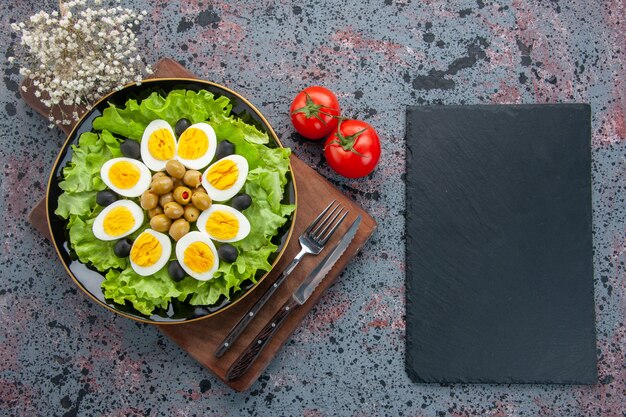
(75, 56)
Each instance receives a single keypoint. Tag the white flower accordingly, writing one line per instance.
(75, 56)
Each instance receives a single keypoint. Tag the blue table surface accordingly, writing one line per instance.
(60, 354)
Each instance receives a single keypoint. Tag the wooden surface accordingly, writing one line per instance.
(201, 338)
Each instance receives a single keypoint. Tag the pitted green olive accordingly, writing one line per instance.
(158, 174)
(179, 229)
(177, 182)
(160, 223)
(201, 200)
(192, 178)
(149, 200)
(175, 169)
(182, 195)
(166, 198)
(162, 185)
(191, 213)
(173, 210)
(155, 211)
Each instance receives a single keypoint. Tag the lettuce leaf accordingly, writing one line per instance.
(78, 203)
(145, 293)
(200, 106)
(89, 249)
(265, 184)
(81, 178)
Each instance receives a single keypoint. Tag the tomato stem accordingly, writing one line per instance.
(348, 142)
(310, 109)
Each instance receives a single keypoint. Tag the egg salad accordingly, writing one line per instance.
(174, 199)
(183, 206)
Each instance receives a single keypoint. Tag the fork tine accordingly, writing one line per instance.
(327, 224)
(317, 219)
(331, 231)
(324, 221)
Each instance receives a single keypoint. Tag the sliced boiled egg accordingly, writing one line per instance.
(150, 252)
(196, 146)
(118, 220)
(197, 255)
(158, 145)
(224, 178)
(126, 176)
(223, 223)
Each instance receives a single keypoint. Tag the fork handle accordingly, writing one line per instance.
(248, 356)
(236, 331)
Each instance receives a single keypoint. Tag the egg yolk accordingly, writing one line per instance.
(222, 225)
(199, 257)
(193, 144)
(124, 174)
(223, 174)
(161, 144)
(146, 250)
(118, 221)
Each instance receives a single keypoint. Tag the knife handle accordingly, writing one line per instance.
(243, 322)
(245, 360)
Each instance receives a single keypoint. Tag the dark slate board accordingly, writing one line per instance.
(498, 245)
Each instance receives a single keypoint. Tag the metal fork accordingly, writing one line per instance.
(312, 242)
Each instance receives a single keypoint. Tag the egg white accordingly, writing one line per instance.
(166, 247)
(98, 223)
(227, 194)
(147, 158)
(145, 177)
(184, 243)
(244, 224)
(205, 159)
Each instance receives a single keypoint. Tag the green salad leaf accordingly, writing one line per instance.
(144, 294)
(265, 184)
(200, 106)
(90, 249)
(81, 178)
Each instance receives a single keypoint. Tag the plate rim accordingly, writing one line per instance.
(63, 148)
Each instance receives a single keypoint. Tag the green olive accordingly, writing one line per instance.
(191, 213)
(179, 229)
(149, 200)
(175, 169)
(182, 195)
(199, 189)
(162, 185)
(155, 211)
(158, 174)
(177, 182)
(160, 223)
(166, 198)
(201, 200)
(192, 178)
(173, 210)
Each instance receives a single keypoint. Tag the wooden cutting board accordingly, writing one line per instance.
(201, 338)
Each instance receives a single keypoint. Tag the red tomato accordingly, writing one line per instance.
(353, 149)
(314, 112)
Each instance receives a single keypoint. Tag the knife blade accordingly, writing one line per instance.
(316, 276)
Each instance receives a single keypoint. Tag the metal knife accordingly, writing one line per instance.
(299, 297)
